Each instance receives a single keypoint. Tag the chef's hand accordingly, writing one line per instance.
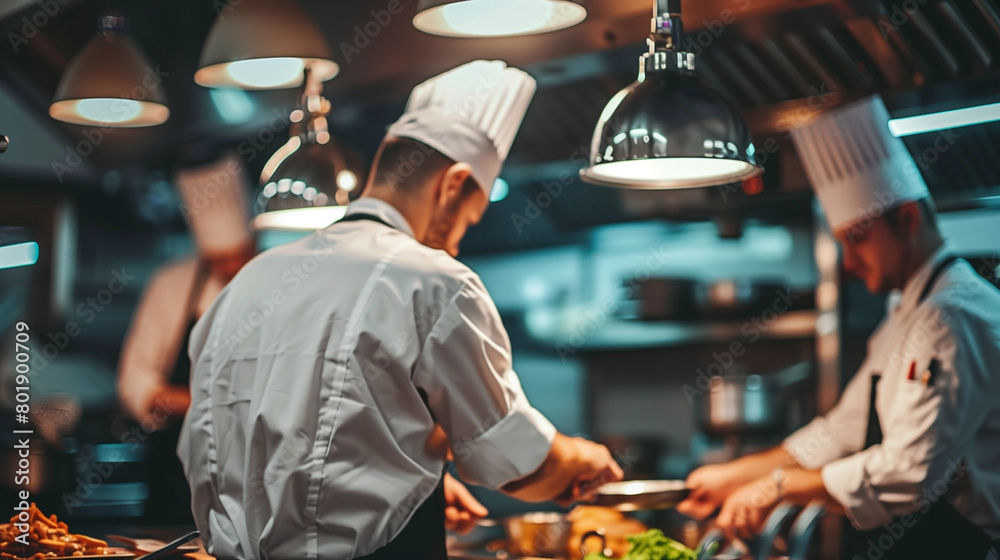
(571, 471)
(746, 510)
(169, 403)
(595, 467)
(462, 510)
(710, 486)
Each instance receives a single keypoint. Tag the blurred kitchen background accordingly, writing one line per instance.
(620, 304)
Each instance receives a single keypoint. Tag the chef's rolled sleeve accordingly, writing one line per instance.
(511, 449)
(847, 482)
(838, 433)
(475, 395)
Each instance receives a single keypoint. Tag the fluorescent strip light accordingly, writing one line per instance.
(21, 254)
(944, 120)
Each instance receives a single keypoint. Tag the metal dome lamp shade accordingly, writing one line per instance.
(496, 18)
(667, 130)
(263, 44)
(306, 184)
(110, 83)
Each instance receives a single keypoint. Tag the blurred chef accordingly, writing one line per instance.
(323, 369)
(154, 368)
(911, 453)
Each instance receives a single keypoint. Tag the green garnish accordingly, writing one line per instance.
(652, 545)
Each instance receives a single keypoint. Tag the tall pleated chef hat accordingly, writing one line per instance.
(470, 114)
(856, 166)
(216, 205)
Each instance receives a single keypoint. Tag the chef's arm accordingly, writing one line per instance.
(801, 486)
(145, 354)
(711, 485)
(573, 468)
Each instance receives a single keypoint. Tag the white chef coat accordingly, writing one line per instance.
(307, 431)
(158, 328)
(941, 439)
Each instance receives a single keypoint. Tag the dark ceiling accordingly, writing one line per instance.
(779, 60)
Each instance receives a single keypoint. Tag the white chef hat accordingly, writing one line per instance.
(856, 166)
(470, 114)
(216, 204)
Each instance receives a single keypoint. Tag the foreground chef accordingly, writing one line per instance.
(153, 368)
(323, 369)
(911, 453)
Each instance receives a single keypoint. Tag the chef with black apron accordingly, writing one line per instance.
(911, 452)
(326, 367)
(154, 368)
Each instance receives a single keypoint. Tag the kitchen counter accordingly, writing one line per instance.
(165, 533)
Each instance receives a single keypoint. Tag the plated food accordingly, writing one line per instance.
(47, 538)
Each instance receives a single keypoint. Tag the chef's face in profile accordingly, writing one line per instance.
(453, 215)
(875, 250)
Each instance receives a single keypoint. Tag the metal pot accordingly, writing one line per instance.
(749, 404)
(539, 534)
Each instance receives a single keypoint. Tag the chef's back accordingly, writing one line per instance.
(318, 375)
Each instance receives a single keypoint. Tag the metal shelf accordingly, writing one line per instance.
(620, 334)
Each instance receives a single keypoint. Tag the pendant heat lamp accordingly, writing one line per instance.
(667, 130)
(496, 18)
(263, 44)
(306, 184)
(110, 83)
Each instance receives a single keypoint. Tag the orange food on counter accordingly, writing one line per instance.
(46, 537)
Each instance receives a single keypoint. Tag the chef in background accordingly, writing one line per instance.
(154, 369)
(316, 394)
(911, 452)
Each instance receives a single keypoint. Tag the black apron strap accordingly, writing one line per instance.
(169, 498)
(359, 216)
(423, 538)
(938, 269)
(873, 435)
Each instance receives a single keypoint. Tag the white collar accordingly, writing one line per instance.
(381, 209)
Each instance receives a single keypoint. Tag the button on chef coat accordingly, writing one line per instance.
(940, 439)
(319, 374)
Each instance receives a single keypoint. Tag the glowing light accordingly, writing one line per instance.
(944, 120)
(670, 173)
(108, 110)
(267, 72)
(500, 190)
(347, 180)
(299, 219)
(499, 18)
(233, 105)
(20, 254)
